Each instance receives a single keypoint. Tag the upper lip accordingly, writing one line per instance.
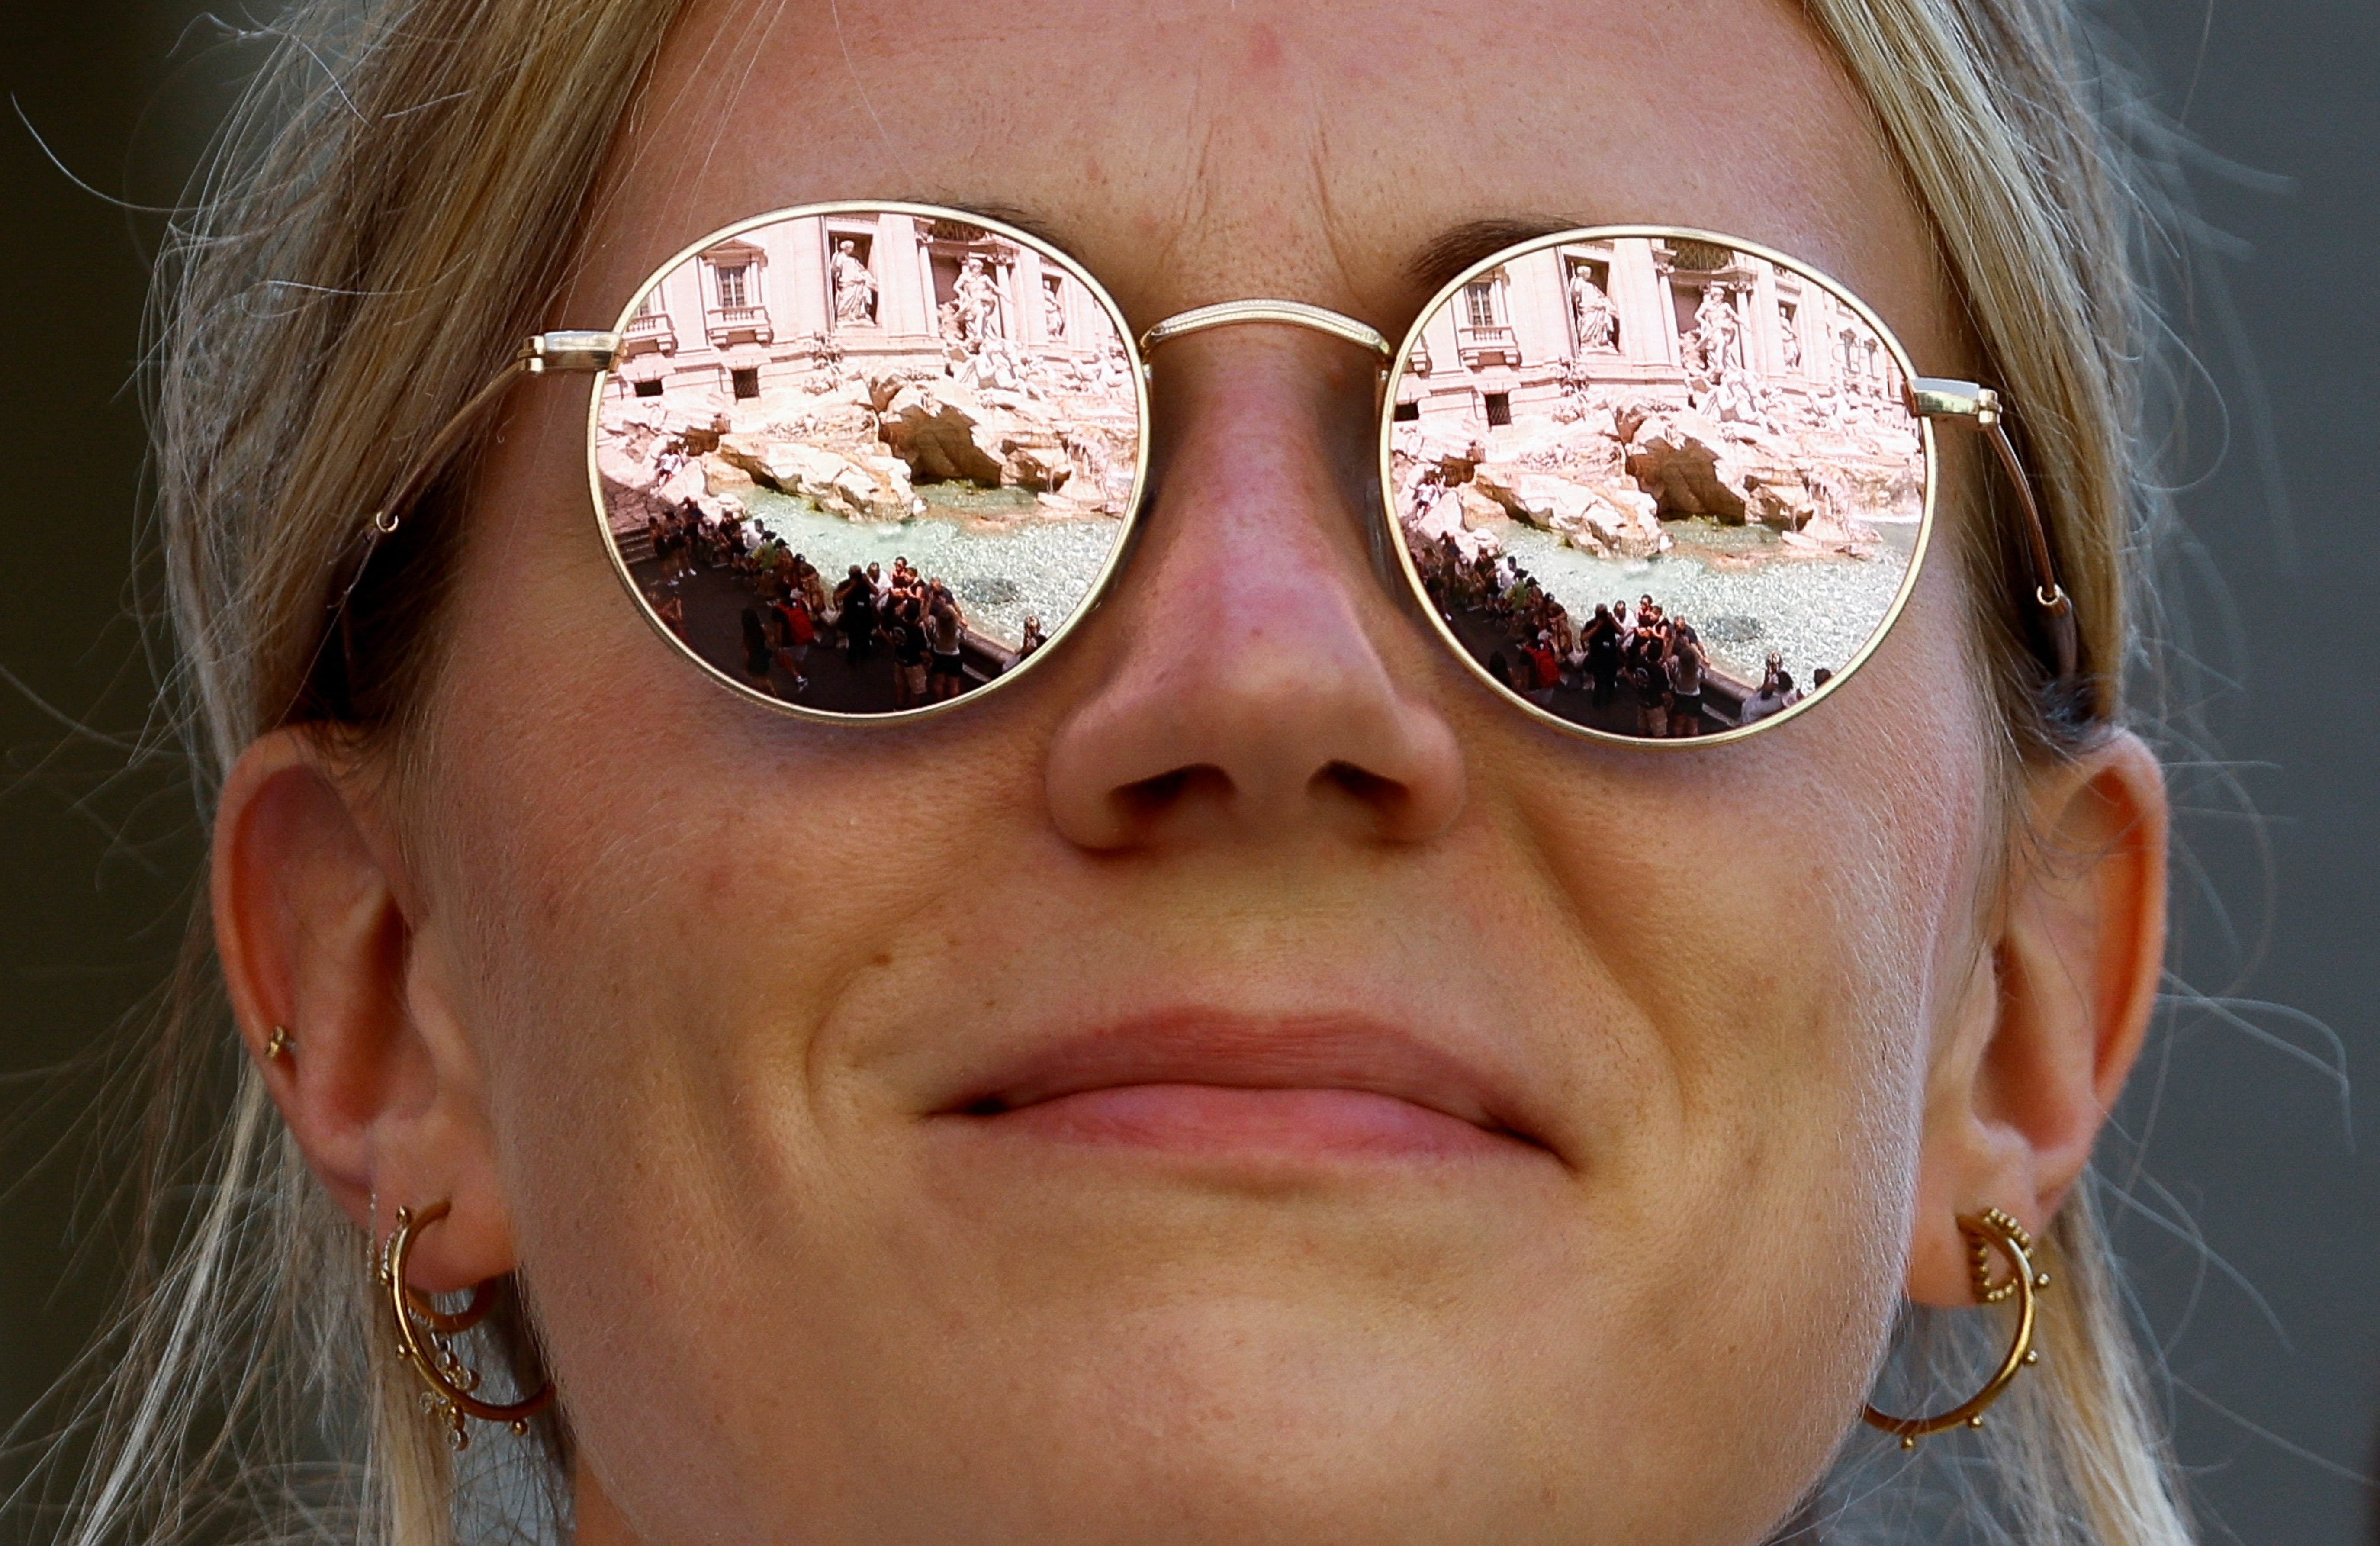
(1239, 1052)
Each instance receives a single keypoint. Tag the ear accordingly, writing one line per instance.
(2049, 1030)
(320, 932)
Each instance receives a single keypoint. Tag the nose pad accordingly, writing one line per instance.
(1260, 680)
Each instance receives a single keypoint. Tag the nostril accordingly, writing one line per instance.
(1151, 797)
(1364, 784)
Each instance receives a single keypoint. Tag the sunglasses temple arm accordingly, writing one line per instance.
(545, 353)
(538, 356)
(1931, 398)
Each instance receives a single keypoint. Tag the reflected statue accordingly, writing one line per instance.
(1789, 341)
(1598, 320)
(1854, 382)
(1115, 371)
(992, 367)
(854, 287)
(1737, 399)
(1053, 312)
(978, 302)
(1719, 332)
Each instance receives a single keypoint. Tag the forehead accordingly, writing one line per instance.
(1320, 152)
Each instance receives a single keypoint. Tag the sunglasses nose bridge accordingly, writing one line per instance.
(1329, 421)
(1285, 313)
(1270, 408)
(1249, 682)
(1280, 313)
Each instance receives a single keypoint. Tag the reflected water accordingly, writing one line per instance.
(1041, 569)
(1811, 612)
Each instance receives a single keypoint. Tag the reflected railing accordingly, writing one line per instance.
(1488, 346)
(724, 319)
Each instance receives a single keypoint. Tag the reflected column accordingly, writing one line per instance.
(905, 312)
(1027, 269)
(1767, 354)
(1637, 290)
(1541, 307)
(800, 247)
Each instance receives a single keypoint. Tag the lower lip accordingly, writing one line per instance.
(1204, 1119)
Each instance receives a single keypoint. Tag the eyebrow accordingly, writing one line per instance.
(1432, 265)
(1438, 260)
(1026, 221)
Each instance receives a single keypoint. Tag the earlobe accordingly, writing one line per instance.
(382, 1094)
(2024, 1078)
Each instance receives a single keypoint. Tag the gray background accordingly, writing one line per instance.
(2254, 1246)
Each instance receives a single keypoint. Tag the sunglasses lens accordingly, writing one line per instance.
(863, 460)
(1656, 486)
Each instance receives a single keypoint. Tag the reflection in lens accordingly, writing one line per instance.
(1657, 487)
(868, 461)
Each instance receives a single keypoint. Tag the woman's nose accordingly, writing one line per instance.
(1257, 679)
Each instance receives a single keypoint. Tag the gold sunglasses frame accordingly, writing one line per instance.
(1584, 235)
(1928, 398)
(1092, 593)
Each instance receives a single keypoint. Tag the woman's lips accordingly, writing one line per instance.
(1216, 1085)
(1206, 1119)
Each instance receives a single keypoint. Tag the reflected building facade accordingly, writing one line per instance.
(876, 290)
(1668, 318)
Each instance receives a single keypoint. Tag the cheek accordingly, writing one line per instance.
(656, 893)
(1787, 921)
(635, 868)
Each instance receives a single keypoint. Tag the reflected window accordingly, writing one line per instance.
(738, 285)
(1479, 303)
(650, 388)
(1499, 407)
(648, 327)
(746, 382)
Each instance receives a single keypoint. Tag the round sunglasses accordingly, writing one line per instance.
(870, 460)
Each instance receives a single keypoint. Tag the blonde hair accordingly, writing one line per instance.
(379, 229)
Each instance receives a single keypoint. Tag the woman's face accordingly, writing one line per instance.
(1243, 1082)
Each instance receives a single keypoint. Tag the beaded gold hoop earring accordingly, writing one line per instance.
(424, 1339)
(1985, 1231)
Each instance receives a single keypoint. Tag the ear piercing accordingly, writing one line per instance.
(1987, 1231)
(424, 1340)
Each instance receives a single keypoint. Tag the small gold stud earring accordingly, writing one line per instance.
(281, 1044)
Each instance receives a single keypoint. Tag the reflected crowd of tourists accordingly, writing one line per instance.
(794, 608)
(1643, 671)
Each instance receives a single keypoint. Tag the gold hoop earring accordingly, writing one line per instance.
(424, 1336)
(1985, 1231)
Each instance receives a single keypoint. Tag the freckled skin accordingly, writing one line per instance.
(716, 962)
